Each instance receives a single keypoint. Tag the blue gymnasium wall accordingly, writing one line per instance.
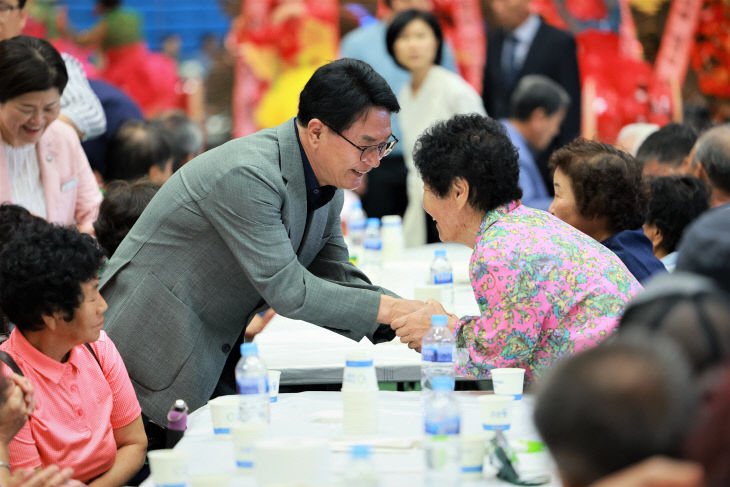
(190, 19)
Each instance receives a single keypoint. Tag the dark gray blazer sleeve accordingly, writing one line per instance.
(245, 208)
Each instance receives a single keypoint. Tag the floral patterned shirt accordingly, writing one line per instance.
(544, 289)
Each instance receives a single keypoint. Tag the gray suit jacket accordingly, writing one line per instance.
(226, 236)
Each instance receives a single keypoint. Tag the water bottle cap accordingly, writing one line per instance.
(442, 383)
(249, 348)
(360, 451)
(439, 253)
(439, 320)
(374, 222)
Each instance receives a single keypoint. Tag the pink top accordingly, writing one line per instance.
(78, 407)
(69, 186)
(545, 290)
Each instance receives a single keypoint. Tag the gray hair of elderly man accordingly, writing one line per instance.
(615, 405)
(631, 136)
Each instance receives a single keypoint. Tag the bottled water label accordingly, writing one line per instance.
(373, 244)
(443, 278)
(438, 353)
(446, 426)
(253, 385)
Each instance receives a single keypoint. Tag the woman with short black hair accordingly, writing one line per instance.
(42, 165)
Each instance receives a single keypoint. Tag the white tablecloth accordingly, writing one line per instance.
(398, 456)
(308, 354)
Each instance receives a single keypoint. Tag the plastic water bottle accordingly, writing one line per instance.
(373, 248)
(356, 220)
(441, 446)
(253, 385)
(360, 470)
(442, 274)
(438, 352)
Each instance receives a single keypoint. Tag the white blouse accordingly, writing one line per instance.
(442, 95)
(25, 178)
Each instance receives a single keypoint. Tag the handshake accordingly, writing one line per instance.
(411, 319)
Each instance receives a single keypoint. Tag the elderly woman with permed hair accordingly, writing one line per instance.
(87, 416)
(600, 191)
(544, 289)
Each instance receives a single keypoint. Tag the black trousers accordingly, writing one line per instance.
(386, 192)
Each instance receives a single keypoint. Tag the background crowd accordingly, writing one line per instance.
(581, 149)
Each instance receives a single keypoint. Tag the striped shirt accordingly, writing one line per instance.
(79, 103)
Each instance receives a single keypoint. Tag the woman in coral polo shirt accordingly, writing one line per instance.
(87, 416)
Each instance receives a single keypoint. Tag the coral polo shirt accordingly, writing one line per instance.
(79, 404)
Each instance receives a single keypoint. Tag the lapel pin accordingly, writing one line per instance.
(49, 157)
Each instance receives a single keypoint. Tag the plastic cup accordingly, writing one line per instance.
(274, 377)
(210, 480)
(432, 291)
(168, 468)
(359, 412)
(496, 411)
(224, 412)
(245, 436)
(473, 449)
(359, 373)
(508, 381)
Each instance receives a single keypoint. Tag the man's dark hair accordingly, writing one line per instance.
(475, 148)
(402, 20)
(42, 272)
(713, 152)
(675, 202)
(21, 3)
(606, 183)
(705, 247)
(29, 64)
(537, 91)
(690, 310)
(614, 405)
(340, 92)
(669, 145)
(185, 135)
(109, 4)
(135, 148)
(122, 205)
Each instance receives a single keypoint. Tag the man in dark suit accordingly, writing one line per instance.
(524, 44)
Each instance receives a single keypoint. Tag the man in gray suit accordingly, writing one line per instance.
(252, 224)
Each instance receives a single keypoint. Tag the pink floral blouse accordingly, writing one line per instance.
(544, 289)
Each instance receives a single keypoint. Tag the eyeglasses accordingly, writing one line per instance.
(366, 151)
(5, 8)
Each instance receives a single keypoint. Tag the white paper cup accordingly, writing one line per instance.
(359, 373)
(359, 412)
(224, 411)
(496, 411)
(210, 480)
(168, 468)
(473, 449)
(274, 377)
(245, 436)
(508, 381)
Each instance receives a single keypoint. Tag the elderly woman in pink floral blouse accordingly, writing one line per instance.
(545, 290)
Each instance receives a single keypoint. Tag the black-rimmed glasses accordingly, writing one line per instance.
(366, 151)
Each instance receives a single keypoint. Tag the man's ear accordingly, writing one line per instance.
(314, 131)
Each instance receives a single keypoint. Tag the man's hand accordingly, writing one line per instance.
(412, 327)
(393, 308)
(258, 323)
